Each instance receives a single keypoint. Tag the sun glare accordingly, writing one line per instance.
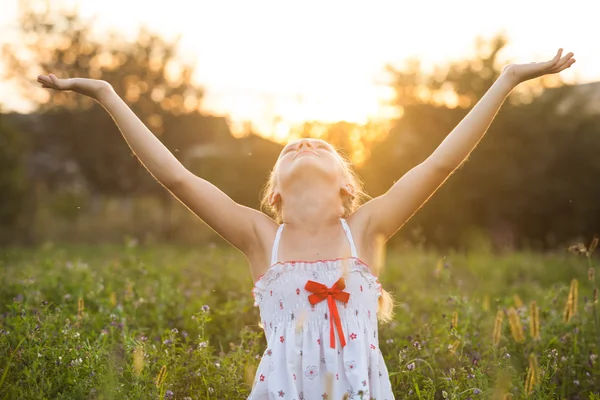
(323, 61)
(281, 132)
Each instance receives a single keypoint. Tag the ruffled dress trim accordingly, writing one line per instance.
(283, 267)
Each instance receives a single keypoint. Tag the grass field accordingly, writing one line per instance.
(124, 322)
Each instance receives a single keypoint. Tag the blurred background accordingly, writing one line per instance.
(225, 84)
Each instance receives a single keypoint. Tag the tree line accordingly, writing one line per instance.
(529, 183)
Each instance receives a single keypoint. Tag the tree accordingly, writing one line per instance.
(523, 175)
(13, 181)
(146, 73)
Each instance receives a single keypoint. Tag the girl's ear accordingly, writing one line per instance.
(348, 189)
(274, 198)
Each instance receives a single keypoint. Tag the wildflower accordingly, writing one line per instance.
(576, 382)
(205, 308)
(444, 394)
(578, 248)
(167, 341)
(184, 334)
(593, 245)
(39, 355)
(506, 355)
(454, 346)
(160, 378)
(218, 365)
(486, 302)
(389, 341)
(417, 345)
(76, 335)
(169, 394)
(174, 330)
(202, 345)
(138, 360)
(518, 301)
(533, 374)
(410, 366)
(80, 308)
(534, 321)
(143, 338)
(497, 334)
(77, 361)
(515, 326)
(476, 391)
(571, 306)
(211, 390)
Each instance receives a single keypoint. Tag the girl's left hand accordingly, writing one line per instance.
(518, 73)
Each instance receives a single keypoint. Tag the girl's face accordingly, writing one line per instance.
(311, 157)
(307, 156)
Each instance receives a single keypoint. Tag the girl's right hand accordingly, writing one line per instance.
(94, 88)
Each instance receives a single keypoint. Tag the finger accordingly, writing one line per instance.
(562, 67)
(551, 63)
(42, 79)
(556, 58)
(564, 60)
(568, 65)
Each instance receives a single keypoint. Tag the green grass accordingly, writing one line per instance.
(152, 299)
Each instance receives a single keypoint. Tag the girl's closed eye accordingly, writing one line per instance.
(287, 149)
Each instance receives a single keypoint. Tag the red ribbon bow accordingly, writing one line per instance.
(322, 292)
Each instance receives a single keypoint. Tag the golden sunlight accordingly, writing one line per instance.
(273, 65)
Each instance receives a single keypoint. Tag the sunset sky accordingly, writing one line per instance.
(324, 60)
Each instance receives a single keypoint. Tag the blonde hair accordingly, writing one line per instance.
(385, 311)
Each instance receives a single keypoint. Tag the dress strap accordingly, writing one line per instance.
(349, 236)
(276, 245)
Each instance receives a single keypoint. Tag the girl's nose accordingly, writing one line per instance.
(306, 143)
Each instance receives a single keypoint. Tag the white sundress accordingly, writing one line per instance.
(298, 302)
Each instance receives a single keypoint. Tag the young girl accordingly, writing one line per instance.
(319, 300)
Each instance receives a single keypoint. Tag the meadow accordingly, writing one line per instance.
(169, 322)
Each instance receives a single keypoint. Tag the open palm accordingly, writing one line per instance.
(522, 72)
(89, 87)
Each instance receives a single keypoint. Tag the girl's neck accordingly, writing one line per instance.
(312, 207)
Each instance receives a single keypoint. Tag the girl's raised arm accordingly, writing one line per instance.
(388, 212)
(234, 222)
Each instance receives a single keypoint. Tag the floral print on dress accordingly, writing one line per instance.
(349, 365)
(299, 354)
(311, 372)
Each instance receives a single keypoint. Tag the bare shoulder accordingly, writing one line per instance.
(365, 241)
(259, 256)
